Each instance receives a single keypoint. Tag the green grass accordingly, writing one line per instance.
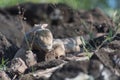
(3, 64)
(7, 3)
(76, 4)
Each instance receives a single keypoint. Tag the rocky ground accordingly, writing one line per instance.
(98, 59)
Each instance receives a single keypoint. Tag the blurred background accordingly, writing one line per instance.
(84, 4)
(107, 6)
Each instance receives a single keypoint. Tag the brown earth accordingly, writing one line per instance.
(64, 22)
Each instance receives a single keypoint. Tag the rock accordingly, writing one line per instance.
(110, 59)
(95, 68)
(44, 70)
(30, 58)
(70, 44)
(114, 44)
(18, 66)
(100, 72)
(27, 77)
(27, 56)
(38, 38)
(86, 70)
(70, 71)
(6, 48)
(50, 55)
(45, 65)
(11, 27)
(57, 51)
(4, 76)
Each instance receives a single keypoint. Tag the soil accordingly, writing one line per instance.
(64, 22)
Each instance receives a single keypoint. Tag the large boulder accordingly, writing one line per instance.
(7, 49)
(11, 27)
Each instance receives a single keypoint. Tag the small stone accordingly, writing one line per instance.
(4, 76)
(18, 65)
(30, 58)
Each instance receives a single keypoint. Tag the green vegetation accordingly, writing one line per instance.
(3, 64)
(84, 4)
